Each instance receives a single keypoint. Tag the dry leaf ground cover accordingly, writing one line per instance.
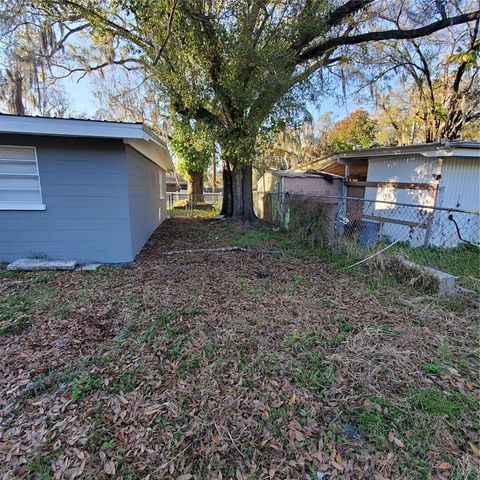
(243, 365)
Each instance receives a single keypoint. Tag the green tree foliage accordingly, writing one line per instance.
(194, 150)
(356, 131)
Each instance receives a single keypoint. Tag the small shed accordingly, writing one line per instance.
(86, 190)
(275, 184)
(176, 183)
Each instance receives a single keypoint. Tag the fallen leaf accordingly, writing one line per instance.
(475, 449)
(109, 468)
(293, 400)
(398, 442)
(299, 436)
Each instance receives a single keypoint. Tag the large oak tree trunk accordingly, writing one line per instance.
(237, 192)
(227, 203)
(195, 186)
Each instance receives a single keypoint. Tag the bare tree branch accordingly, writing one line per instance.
(399, 34)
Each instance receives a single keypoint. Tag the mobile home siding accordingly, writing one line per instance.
(85, 190)
(460, 183)
(146, 209)
(459, 188)
(405, 169)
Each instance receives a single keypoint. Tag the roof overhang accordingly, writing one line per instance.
(137, 135)
(428, 150)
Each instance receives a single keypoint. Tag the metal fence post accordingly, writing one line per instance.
(338, 224)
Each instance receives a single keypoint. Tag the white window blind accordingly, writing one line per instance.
(19, 179)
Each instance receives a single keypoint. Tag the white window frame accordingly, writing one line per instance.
(26, 206)
(161, 184)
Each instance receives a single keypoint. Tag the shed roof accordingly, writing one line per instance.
(137, 135)
(335, 162)
(304, 174)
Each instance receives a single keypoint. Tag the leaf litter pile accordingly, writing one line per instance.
(233, 364)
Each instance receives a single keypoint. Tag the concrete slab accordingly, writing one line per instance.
(39, 264)
(90, 267)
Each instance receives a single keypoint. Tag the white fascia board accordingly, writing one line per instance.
(433, 152)
(69, 127)
(454, 152)
(135, 134)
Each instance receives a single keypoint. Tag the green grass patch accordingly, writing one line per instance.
(298, 279)
(124, 383)
(40, 466)
(188, 363)
(62, 312)
(313, 376)
(102, 433)
(437, 403)
(162, 319)
(305, 340)
(463, 261)
(84, 385)
(14, 313)
(415, 421)
(434, 368)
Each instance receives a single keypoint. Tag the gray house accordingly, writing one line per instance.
(79, 189)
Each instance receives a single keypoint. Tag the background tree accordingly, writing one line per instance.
(289, 144)
(355, 131)
(29, 44)
(433, 81)
(129, 96)
(230, 64)
(285, 147)
(194, 150)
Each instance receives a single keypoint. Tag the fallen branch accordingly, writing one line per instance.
(216, 250)
(206, 250)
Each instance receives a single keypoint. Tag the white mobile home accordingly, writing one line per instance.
(442, 175)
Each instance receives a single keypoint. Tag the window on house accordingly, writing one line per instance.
(161, 184)
(19, 179)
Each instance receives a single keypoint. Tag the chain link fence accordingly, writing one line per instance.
(446, 239)
(181, 204)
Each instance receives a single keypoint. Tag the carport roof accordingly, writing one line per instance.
(137, 135)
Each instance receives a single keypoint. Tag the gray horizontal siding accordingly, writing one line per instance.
(84, 187)
(144, 198)
(66, 224)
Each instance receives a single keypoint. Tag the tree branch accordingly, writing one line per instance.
(167, 36)
(90, 12)
(399, 34)
(91, 68)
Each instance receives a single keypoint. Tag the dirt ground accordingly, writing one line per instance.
(242, 365)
